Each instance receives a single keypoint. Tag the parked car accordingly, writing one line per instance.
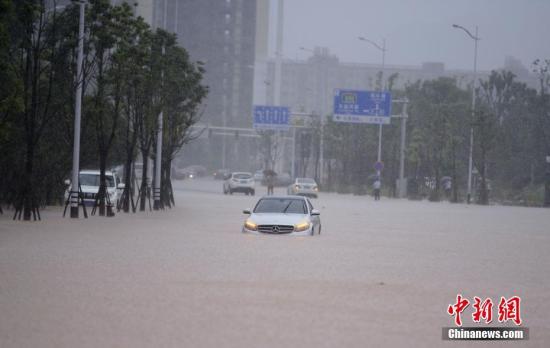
(239, 182)
(303, 187)
(89, 183)
(292, 215)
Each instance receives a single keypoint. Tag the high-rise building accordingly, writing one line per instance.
(222, 34)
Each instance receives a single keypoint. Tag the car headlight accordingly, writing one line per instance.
(297, 187)
(315, 188)
(250, 225)
(302, 226)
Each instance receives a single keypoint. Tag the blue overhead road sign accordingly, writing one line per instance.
(271, 117)
(362, 106)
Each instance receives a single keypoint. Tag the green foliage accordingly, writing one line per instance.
(123, 93)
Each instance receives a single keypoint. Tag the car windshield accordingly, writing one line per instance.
(305, 181)
(281, 205)
(93, 180)
(242, 176)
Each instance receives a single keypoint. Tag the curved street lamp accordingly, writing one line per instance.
(470, 158)
(383, 49)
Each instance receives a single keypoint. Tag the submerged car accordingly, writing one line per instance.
(239, 182)
(293, 215)
(303, 187)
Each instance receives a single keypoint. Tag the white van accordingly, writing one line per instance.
(89, 182)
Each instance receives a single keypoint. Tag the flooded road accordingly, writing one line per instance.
(381, 274)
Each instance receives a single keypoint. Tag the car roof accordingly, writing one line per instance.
(242, 173)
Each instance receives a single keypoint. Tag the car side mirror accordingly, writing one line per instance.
(246, 211)
(121, 186)
(315, 212)
(67, 182)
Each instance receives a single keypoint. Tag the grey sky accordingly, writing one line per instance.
(420, 30)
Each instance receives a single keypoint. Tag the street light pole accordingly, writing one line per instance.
(382, 87)
(470, 157)
(158, 156)
(322, 135)
(75, 184)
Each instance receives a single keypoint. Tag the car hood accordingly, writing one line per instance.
(278, 219)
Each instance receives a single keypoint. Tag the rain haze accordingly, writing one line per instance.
(420, 31)
(191, 173)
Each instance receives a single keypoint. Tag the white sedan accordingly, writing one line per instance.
(293, 215)
(303, 187)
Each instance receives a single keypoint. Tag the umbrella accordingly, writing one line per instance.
(269, 172)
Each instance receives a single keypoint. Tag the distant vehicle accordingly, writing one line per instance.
(303, 187)
(293, 215)
(239, 182)
(220, 174)
(189, 172)
(89, 183)
(283, 179)
(177, 173)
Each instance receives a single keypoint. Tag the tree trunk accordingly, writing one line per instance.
(144, 186)
(28, 201)
(128, 184)
(454, 177)
(102, 192)
(483, 192)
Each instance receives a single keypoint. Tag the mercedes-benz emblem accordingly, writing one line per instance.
(275, 229)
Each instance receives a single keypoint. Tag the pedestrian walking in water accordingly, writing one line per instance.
(376, 189)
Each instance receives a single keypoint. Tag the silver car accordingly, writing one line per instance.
(293, 215)
(303, 187)
(239, 182)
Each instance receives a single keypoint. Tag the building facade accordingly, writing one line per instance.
(222, 35)
(308, 85)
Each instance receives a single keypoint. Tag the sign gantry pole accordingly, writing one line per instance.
(75, 184)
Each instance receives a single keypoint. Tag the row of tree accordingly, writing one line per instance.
(511, 126)
(130, 74)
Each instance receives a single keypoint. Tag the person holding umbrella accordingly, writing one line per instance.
(270, 175)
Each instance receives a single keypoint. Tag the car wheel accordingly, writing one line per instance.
(230, 191)
(246, 193)
(224, 191)
(253, 192)
(319, 230)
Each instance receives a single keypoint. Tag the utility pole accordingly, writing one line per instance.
(382, 87)
(158, 155)
(470, 157)
(75, 184)
(278, 70)
(402, 187)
